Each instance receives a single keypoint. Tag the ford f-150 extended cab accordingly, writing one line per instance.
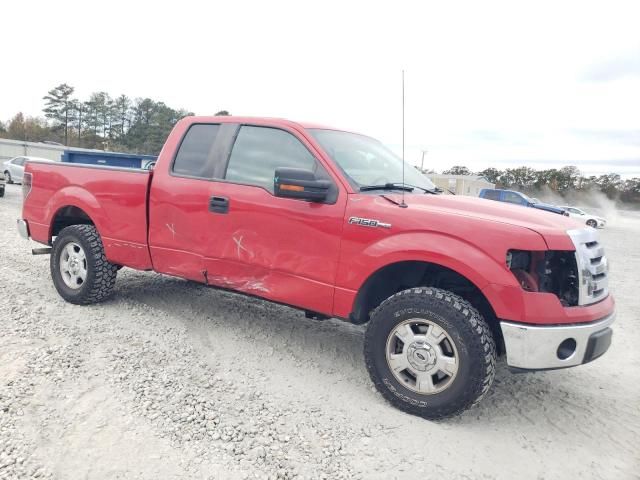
(323, 220)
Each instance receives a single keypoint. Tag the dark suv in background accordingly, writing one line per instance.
(518, 198)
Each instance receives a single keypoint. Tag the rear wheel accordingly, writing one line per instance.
(430, 353)
(7, 176)
(592, 223)
(80, 271)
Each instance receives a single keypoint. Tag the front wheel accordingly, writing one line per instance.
(430, 353)
(7, 176)
(80, 270)
(592, 223)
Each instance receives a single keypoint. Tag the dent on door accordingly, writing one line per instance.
(281, 249)
(246, 249)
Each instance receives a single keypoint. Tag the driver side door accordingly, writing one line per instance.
(282, 249)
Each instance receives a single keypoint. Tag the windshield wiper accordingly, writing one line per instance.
(398, 186)
(387, 186)
(435, 190)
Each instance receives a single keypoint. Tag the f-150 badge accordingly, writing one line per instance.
(368, 222)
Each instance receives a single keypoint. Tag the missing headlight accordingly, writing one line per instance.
(550, 271)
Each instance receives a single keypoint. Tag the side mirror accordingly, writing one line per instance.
(299, 183)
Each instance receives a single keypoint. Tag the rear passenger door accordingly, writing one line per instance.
(282, 249)
(179, 201)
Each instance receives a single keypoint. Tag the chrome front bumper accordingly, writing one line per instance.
(23, 228)
(532, 347)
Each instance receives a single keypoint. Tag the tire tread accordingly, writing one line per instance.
(479, 327)
(104, 274)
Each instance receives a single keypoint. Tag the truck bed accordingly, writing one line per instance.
(114, 198)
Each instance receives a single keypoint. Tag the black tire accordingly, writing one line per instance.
(7, 177)
(592, 223)
(471, 335)
(101, 274)
(1, 191)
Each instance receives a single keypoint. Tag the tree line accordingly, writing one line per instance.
(101, 121)
(562, 181)
(141, 125)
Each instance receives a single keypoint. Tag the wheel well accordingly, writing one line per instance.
(403, 275)
(68, 216)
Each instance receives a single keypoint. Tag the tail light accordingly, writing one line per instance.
(26, 184)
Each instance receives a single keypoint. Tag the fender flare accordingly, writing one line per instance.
(78, 197)
(470, 262)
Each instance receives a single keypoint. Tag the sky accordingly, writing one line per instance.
(502, 84)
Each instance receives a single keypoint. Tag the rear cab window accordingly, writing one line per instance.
(196, 155)
(491, 194)
(512, 197)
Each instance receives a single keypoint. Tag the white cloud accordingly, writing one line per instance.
(523, 72)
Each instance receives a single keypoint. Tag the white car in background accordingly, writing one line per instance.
(587, 218)
(14, 169)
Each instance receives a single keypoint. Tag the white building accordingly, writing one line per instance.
(460, 184)
(16, 148)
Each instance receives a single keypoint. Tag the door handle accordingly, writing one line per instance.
(219, 204)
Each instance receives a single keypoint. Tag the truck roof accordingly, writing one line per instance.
(272, 121)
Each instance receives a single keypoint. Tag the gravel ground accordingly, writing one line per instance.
(171, 379)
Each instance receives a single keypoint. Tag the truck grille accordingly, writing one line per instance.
(592, 266)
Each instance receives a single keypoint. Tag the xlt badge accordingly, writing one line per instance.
(368, 222)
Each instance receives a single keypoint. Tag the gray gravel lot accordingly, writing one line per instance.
(170, 379)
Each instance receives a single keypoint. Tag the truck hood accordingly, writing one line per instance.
(548, 207)
(551, 226)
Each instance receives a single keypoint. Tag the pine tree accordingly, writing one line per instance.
(59, 107)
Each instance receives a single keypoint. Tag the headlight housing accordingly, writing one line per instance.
(551, 271)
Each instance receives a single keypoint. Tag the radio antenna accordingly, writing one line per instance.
(402, 204)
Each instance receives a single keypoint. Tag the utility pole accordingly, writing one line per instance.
(422, 162)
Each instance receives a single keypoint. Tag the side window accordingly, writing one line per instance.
(258, 151)
(195, 155)
(492, 194)
(19, 161)
(512, 197)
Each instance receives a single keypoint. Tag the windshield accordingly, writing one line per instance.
(366, 161)
(530, 200)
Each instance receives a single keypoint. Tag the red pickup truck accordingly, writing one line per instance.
(322, 220)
